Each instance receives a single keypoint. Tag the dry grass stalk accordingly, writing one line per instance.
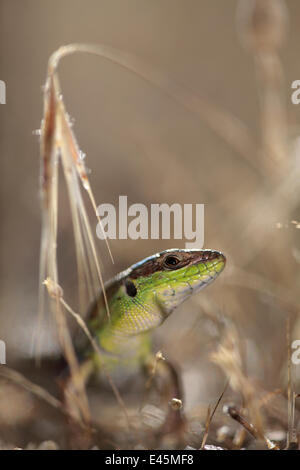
(210, 416)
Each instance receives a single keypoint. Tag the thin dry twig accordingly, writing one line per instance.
(234, 413)
(210, 417)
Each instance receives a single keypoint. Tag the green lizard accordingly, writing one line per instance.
(140, 299)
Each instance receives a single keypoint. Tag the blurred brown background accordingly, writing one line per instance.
(141, 143)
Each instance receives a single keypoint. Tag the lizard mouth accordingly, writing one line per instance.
(209, 264)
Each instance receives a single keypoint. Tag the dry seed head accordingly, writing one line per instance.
(159, 356)
(54, 290)
(175, 404)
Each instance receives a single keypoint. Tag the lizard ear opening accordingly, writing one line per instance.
(130, 288)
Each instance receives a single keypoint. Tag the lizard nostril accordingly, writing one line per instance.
(216, 254)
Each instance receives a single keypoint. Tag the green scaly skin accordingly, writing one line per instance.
(141, 298)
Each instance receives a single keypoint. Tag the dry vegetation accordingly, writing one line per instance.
(232, 356)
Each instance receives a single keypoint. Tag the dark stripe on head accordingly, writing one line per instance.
(172, 260)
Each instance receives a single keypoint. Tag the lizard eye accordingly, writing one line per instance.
(171, 261)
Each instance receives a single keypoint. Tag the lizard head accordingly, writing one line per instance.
(172, 276)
